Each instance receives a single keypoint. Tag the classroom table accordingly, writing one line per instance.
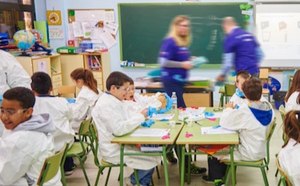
(129, 140)
(204, 139)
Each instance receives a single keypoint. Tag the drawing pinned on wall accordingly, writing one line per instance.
(56, 33)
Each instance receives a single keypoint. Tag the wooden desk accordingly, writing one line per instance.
(204, 139)
(129, 140)
(194, 96)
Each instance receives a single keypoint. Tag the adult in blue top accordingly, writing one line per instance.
(174, 58)
(241, 50)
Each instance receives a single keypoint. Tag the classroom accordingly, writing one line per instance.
(149, 92)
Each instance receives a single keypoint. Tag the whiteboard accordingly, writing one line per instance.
(278, 32)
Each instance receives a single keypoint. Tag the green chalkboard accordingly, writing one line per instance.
(144, 25)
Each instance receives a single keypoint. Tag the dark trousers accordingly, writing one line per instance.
(69, 164)
(170, 87)
(216, 169)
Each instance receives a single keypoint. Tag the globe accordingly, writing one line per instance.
(24, 40)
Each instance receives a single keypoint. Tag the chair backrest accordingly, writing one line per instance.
(51, 166)
(84, 135)
(283, 176)
(94, 143)
(229, 90)
(270, 132)
(67, 91)
(282, 114)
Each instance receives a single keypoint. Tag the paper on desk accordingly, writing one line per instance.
(213, 130)
(146, 132)
(215, 115)
(162, 116)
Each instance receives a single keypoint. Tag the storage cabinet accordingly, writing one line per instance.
(48, 64)
(98, 63)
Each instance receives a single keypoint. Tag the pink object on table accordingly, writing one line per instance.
(188, 135)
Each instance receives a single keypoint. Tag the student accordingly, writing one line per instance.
(12, 73)
(292, 98)
(252, 121)
(26, 141)
(59, 110)
(87, 97)
(289, 154)
(238, 97)
(112, 119)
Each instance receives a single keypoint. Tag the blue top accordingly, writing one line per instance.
(244, 47)
(171, 51)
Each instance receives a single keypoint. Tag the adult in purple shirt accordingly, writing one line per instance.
(174, 58)
(241, 50)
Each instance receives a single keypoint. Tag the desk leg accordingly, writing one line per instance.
(165, 162)
(121, 164)
(232, 168)
(182, 165)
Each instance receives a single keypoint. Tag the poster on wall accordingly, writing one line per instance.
(56, 33)
(53, 17)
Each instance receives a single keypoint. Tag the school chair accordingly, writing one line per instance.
(51, 166)
(264, 77)
(67, 91)
(81, 149)
(262, 164)
(225, 93)
(284, 179)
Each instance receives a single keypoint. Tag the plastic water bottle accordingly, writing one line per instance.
(174, 105)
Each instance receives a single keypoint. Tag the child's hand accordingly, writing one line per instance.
(230, 105)
(145, 112)
(187, 65)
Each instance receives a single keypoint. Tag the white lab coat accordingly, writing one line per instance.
(12, 73)
(290, 161)
(236, 100)
(142, 102)
(112, 119)
(251, 132)
(82, 108)
(292, 104)
(24, 151)
(61, 114)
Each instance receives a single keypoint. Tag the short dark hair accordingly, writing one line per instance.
(244, 74)
(21, 94)
(117, 78)
(252, 89)
(41, 83)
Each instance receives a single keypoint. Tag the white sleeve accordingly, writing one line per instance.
(232, 119)
(16, 75)
(291, 104)
(80, 109)
(114, 120)
(15, 159)
(148, 101)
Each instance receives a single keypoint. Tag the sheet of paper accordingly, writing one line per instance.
(109, 16)
(146, 132)
(192, 114)
(111, 27)
(86, 29)
(56, 32)
(42, 66)
(162, 116)
(70, 31)
(214, 130)
(77, 29)
(108, 39)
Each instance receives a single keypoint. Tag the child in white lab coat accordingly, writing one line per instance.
(26, 141)
(252, 121)
(292, 98)
(59, 110)
(113, 119)
(87, 97)
(289, 154)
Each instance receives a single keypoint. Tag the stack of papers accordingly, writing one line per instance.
(146, 132)
(216, 130)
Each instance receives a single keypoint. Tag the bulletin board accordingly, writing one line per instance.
(96, 25)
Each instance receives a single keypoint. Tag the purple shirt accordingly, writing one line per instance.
(243, 45)
(171, 51)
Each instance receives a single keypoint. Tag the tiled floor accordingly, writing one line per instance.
(245, 176)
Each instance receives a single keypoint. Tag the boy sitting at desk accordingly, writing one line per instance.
(113, 119)
(26, 141)
(252, 121)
